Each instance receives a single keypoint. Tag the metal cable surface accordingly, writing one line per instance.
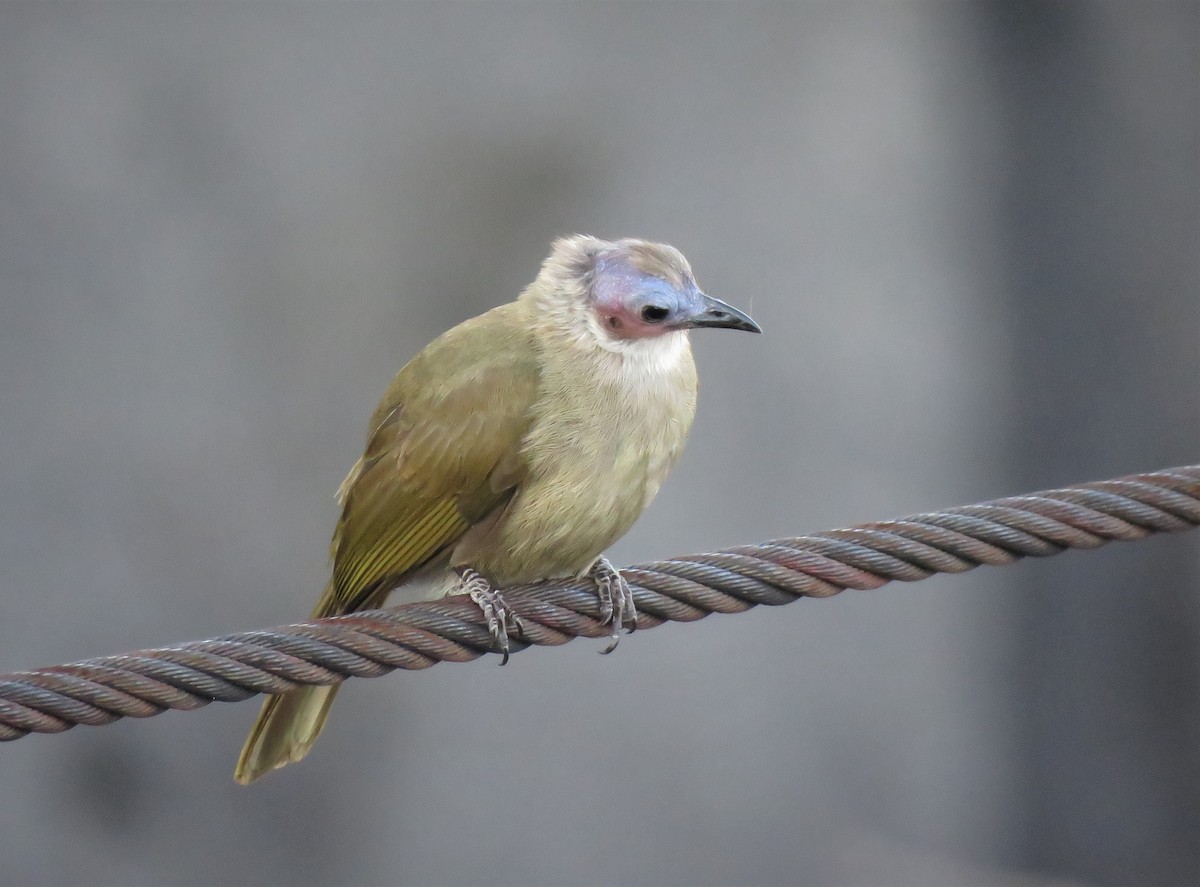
(452, 629)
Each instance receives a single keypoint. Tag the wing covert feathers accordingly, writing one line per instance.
(443, 453)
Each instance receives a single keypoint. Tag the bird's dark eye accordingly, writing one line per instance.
(655, 313)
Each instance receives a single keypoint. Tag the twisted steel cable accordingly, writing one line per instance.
(417, 635)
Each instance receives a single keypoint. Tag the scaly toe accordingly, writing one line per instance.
(616, 600)
(496, 611)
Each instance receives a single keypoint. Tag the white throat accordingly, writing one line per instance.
(650, 356)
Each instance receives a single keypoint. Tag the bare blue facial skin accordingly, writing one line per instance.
(634, 305)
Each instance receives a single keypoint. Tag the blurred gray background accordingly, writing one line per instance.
(972, 233)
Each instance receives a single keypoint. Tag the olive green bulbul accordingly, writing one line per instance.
(516, 447)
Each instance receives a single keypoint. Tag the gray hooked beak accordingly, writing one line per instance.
(715, 313)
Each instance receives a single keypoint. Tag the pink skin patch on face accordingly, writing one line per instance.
(619, 298)
(622, 323)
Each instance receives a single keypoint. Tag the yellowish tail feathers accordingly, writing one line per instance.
(286, 729)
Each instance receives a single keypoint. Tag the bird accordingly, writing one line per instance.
(515, 447)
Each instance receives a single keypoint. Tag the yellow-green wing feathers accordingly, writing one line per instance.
(442, 454)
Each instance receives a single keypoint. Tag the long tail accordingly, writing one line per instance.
(290, 723)
(286, 729)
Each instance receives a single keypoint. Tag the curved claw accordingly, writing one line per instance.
(616, 600)
(500, 617)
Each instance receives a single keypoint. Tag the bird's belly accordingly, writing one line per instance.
(572, 507)
(559, 526)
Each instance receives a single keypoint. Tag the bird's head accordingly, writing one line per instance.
(628, 290)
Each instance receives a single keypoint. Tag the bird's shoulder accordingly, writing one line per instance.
(459, 406)
(454, 364)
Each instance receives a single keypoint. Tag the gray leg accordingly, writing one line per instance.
(500, 617)
(616, 599)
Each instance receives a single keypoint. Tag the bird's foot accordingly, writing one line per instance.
(500, 617)
(616, 600)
